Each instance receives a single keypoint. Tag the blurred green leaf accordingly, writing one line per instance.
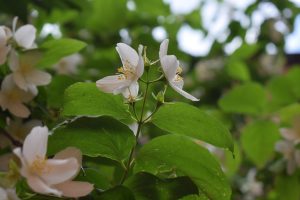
(184, 119)
(181, 155)
(238, 70)
(116, 193)
(258, 141)
(287, 187)
(57, 49)
(248, 98)
(56, 88)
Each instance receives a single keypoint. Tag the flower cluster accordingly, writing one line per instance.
(126, 81)
(20, 86)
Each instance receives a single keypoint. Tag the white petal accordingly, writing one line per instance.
(2, 37)
(24, 169)
(12, 195)
(38, 77)
(75, 189)
(70, 152)
(8, 83)
(140, 66)
(35, 144)
(25, 36)
(38, 186)
(13, 60)
(169, 65)
(288, 134)
(163, 50)
(132, 91)
(113, 84)
(20, 81)
(18, 109)
(183, 93)
(3, 54)
(283, 147)
(3, 194)
(127, 54)
(60, 170)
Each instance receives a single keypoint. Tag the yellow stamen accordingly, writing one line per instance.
(178, 70)
(39, 166)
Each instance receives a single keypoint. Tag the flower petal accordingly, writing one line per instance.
(140, 66)
(24, 169)
(163, 50)
(113, 84)
(39, 186)
(20, 81)
(3, 54)
(132, 91)
(288, 134)
(75, 189)
(169, 65)
(183, 93)
(2, 37)
(60, 170)
(25, 36)
(127, 54)
(13, 60)
(35, 144)
(70, 152)
(38, 77)
(18, 109)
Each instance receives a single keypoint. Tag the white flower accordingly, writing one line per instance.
(24, 36)
(51, 176)
(5, 35)
(12, 98)
(251, 187)
(8, 194)
(293, 133)
(126, 82)
(172, 70)
(290, 154)
(25, 74)
(68, 65)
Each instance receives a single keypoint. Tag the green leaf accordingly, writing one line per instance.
(116, 193)
(238, 70)
(294, 80)
(57, 49)
(184, 119)
(258, 141)
(287, 187)
(85, 99)
(95, 137)
(56, 88)
(288, 113)
(248, 98)
(147, 187)
(179, 154)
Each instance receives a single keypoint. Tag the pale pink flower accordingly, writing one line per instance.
(172, 70)
(251, 187)
(51, 176)
(290, 154)
(25, 35)
(68, 65)
(12, 98)
(25, 74)
(8, 194)
(126, 82)
(5, 35)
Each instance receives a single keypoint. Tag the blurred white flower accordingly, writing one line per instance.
(13, 98)
(24, 71)
(68, 65)
(207, 70)
(290, 154)
(172, 70)
(8, 194)
(5, 35)
(51, 176)
(23, 37)
(251, 187)
(292, 134)
(19, 129)
(126, 82)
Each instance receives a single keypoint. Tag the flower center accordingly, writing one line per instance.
(39, 166)
(127, 71)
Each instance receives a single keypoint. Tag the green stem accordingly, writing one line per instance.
(140, 124)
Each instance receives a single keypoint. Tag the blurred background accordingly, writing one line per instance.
(220, 43)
